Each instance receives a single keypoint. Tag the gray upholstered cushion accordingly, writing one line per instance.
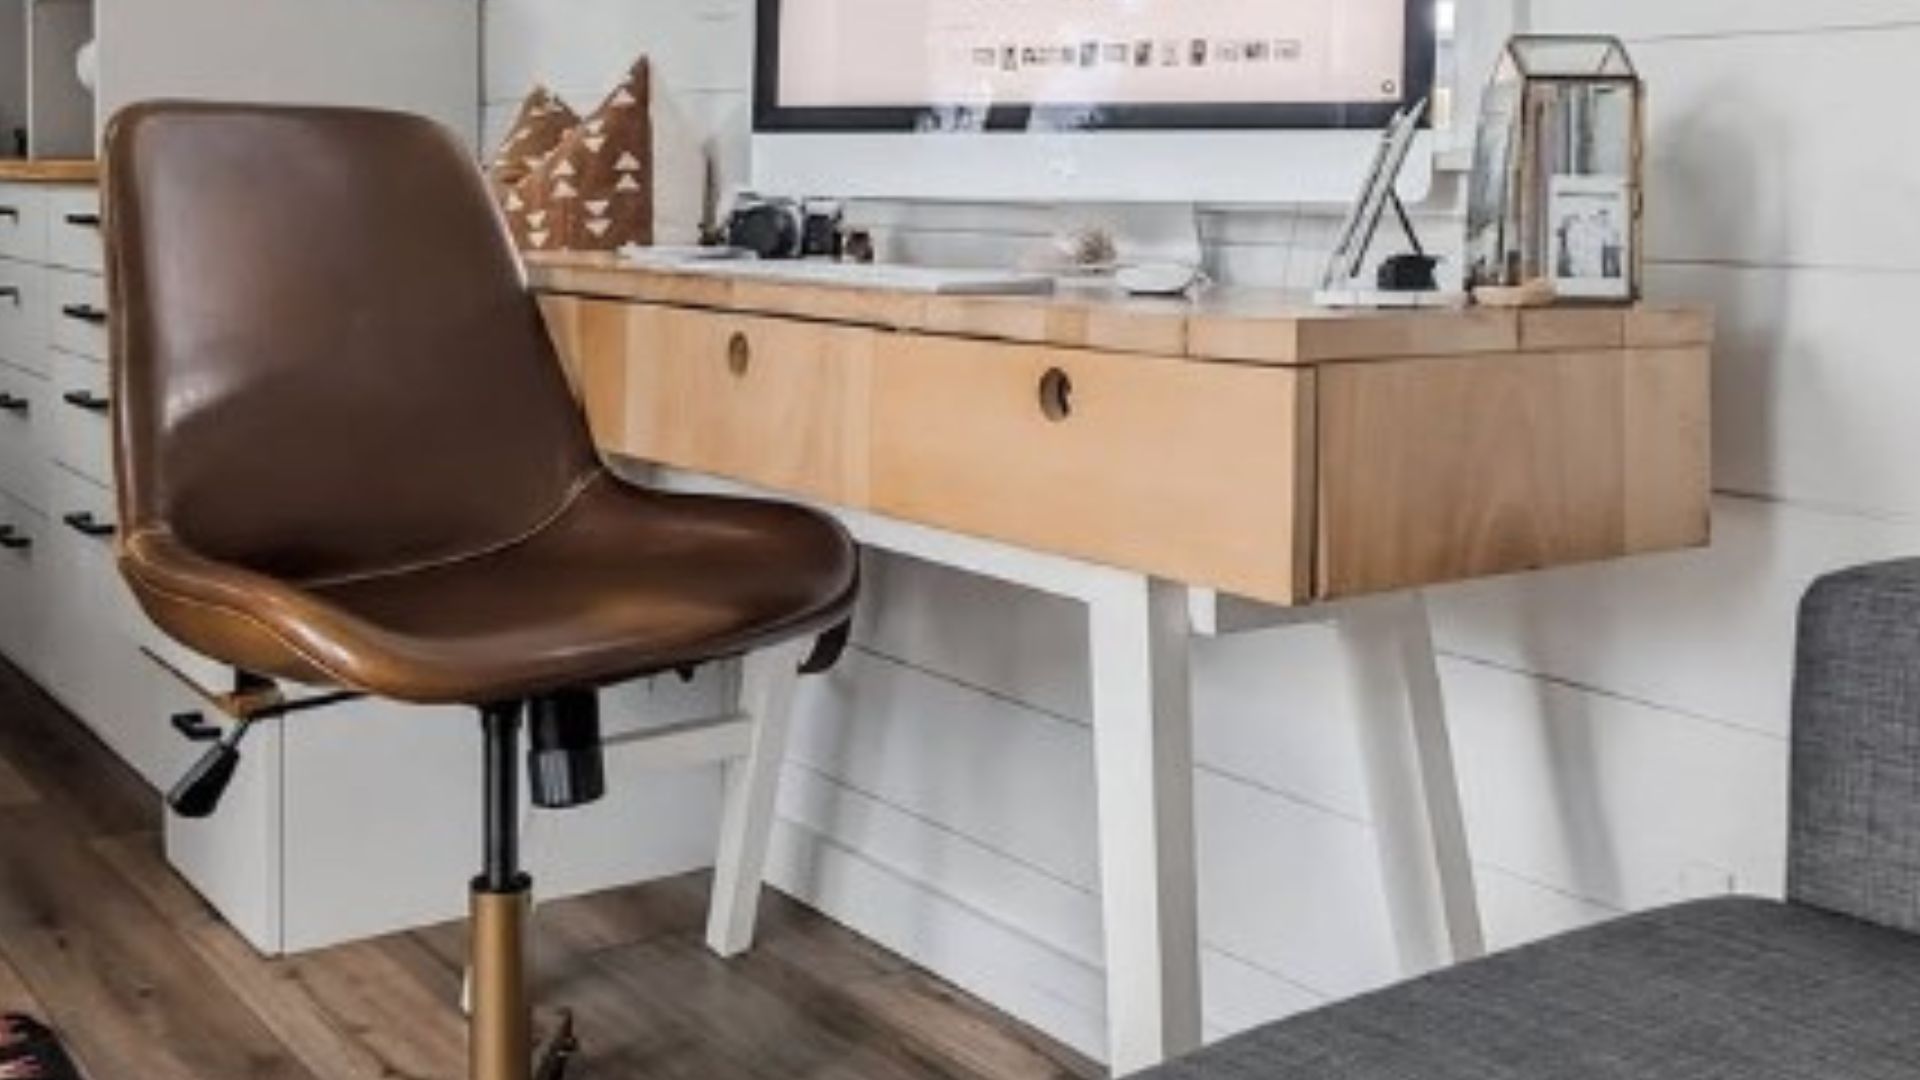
(1722, 990)
(1856, 746)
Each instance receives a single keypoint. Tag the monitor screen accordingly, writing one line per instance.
(1059, 65)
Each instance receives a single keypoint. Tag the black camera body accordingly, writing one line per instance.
(781, 228)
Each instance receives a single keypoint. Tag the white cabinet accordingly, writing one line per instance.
(82, 435)
(23, 590)
(23, 222)
(45, 111)
(419, 56)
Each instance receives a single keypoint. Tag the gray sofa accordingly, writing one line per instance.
(1823, 986)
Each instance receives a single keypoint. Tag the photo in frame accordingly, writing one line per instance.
(1590, 237)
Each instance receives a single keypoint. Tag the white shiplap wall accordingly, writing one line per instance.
(1620, 729)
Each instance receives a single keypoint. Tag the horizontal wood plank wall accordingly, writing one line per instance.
(1620, 729)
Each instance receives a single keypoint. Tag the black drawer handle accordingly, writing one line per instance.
(88, 401)
(193, 727)
(10, 212)
(84, 221)
(85, 313)
(10, 292)
(18, 406)
(89, 526)
(14, 541)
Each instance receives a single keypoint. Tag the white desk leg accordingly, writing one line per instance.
(1143, 759)
(1424, 858)
(767, 680)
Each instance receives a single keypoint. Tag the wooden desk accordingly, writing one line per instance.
(1178, 466)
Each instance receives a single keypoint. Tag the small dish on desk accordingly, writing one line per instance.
(1159, 279)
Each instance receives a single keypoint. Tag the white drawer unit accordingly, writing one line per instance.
(73, 229)
(23, 222)
(24, 417)
(92, 666)
(77, 312)
(24, 304)
(23, 588)
(81, 427)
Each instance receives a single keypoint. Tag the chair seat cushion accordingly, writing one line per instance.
(622, 582)
(1718, 990)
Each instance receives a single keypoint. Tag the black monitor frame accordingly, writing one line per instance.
(769, 116)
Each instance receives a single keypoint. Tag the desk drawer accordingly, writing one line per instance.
(23, 442)
(81, 427)
(23, 222)
(77, 313)
(1444, 469)
(23, 314)
(1190, 471)
(74, 239)
(774, 402)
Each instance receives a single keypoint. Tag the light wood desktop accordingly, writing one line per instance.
(1208, 466)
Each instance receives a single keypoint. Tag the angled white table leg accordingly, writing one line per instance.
(1143, 756)
(1402, 718)
(767, 681)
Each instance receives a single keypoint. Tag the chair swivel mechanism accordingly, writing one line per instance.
(348, 458)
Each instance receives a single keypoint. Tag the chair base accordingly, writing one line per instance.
(500, 1037)
(500, 1029)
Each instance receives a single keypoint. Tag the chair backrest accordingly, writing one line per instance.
(1855, 836)
(325, 359)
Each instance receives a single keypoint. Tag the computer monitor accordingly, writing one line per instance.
(1121, 101)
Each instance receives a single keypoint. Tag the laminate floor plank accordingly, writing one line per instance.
(72, 771)
(99, 936)
(359, 1012)
(14, 788)
(129, 995)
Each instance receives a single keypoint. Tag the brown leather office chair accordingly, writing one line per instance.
(347, 457)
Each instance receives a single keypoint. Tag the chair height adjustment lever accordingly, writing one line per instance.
(198, 793)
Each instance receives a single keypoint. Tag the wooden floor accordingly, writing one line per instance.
(99, 937)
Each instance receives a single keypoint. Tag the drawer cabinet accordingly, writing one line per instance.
(24, 416)
(73, 230)
(80, 426)
(773, 402)
(23, 222)
(77, 313)
(23, 587)
(1193, 473)
(24, 306)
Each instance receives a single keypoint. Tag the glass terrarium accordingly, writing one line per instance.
(1557, 190)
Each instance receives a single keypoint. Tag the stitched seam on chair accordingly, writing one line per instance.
(241, 614)
(578, 489)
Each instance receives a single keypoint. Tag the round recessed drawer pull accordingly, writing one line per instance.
(18, 406)
(1056, 395)
(12, 540)
(739, 354)
(89, 526)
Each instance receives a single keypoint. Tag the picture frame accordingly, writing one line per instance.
(1590, 237)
